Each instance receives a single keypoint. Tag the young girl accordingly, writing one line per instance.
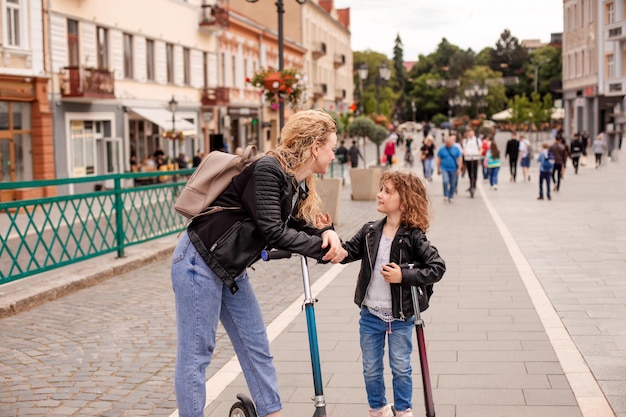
(492, 162)
(394, 254)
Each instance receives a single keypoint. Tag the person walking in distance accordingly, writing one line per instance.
(492, 162)
(277, 207)
(472, 155)
(390, 149)
(599, 148)
(585, 140)
(449, 160)
(576, 151)
(485, 144)
(395, 254)
(559, 153)
(546, 165)
(427, 155)
(512, 153)
(524, 153)
(354, 153)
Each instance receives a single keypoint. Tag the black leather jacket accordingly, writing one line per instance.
(420, 262)
(229, 241)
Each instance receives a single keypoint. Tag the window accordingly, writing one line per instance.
(13, 23)
(150, 59)
(169, 56)
(83, 136)
(128, 56)
(610, 66)
(205, 69)
(16, 161)
(102, 35)
(234, 71)
(72, 43)
(610, 13)
(223, 70)
(186, 65)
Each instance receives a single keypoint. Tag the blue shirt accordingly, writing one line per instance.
(449, 158)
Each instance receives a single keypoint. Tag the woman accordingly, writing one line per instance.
(427, 154)
(275, 206)
(492, 163)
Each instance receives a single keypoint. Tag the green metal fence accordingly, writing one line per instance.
(41, 234)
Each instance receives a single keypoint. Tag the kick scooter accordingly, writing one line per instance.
(421, 346)
(245, 407)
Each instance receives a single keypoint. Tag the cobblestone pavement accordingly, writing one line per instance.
(108, 350)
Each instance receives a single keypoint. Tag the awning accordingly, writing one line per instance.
(163, 118)
(503, 115)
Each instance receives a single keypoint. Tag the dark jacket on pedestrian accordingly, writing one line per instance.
(559, 151)
(420, 262)
(264, 197)
(512, 149)
(354, 153)
(576, 148)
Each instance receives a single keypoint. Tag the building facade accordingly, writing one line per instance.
(26, 145)
(594, 67)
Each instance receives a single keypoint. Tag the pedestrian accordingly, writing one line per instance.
(576, 151)
(181, 161)
(390, 149)
(197, 158)
(427, 155)
(449, 160)
(485, 145)
(341, 154)
(408, 151)
(585, 140)
(512, 152)
(277, 208)
(546, 165)
(492, 162)
(471, 156)
(524, 152)
(559, 151)
(354, 153)
(598, 147)
(395, 254)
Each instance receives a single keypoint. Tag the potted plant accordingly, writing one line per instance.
(287, 85)
(365, 181)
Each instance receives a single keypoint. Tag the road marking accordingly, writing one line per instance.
(231, 370)
(590, 398)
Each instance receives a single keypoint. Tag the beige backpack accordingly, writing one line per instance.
(210, 179)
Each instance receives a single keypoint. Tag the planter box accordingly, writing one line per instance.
(365, 183)
(329, 190)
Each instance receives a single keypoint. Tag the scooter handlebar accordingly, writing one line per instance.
(268, 255)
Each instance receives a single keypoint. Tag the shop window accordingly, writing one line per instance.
(83, 136)
(16, 163)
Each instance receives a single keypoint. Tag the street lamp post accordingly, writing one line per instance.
(537, 66)
(173, 104)
(475, 92)
(384, 73)
(363, 70)
(414, 109)
(280, 10)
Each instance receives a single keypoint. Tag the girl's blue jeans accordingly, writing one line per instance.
(201, 301)
(373, 333)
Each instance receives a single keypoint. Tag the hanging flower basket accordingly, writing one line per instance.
(286, 86)
(172, 135)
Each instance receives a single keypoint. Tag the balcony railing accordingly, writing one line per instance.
(339, 60)
(318, 49)
(87, 82)
(213, 18)
(215, 96)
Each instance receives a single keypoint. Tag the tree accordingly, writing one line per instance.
(495, 99)
(510, 58)
(546, 63)
(400, 78)
(380, 134)
(387, 94)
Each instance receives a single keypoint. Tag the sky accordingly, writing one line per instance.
(422, 24)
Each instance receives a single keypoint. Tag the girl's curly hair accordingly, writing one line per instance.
(414, 201)
(303, 130)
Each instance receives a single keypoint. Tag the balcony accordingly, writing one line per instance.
(616, 31)
(87, 82)
(339, 60)
(340, 94)
(213, 18)
(318, 49)
(319, 90)
(215, 97)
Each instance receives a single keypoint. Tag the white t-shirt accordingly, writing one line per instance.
(378, 295)
(471, 149)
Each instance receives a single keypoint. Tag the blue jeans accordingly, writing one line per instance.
(201, 300)
(429, 165)
(449, 183)
(493, 176)
(373, 331)
(544, 176)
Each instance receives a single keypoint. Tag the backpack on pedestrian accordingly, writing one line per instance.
(210, 179)
(547, 163)
(529, 150)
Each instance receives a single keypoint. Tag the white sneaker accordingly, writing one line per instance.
(405, 413)
(386, 411)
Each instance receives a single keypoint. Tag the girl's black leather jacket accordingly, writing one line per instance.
(420, 262)
(263, 197)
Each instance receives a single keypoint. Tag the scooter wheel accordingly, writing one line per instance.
(239, 410)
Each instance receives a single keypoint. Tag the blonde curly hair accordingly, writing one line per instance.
(303, 130)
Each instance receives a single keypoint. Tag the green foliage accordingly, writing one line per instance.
(496, 96)
(335, 117)
(549, 63)
(380, 134)
(362, 126)
(387, 94)
(520, 107)
(439, 118)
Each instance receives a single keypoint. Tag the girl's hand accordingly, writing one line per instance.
(322, 221)
(392, 273)
(336, 253)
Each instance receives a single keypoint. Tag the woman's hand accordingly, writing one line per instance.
(336, 253)
(322, 221)
(392, 273)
